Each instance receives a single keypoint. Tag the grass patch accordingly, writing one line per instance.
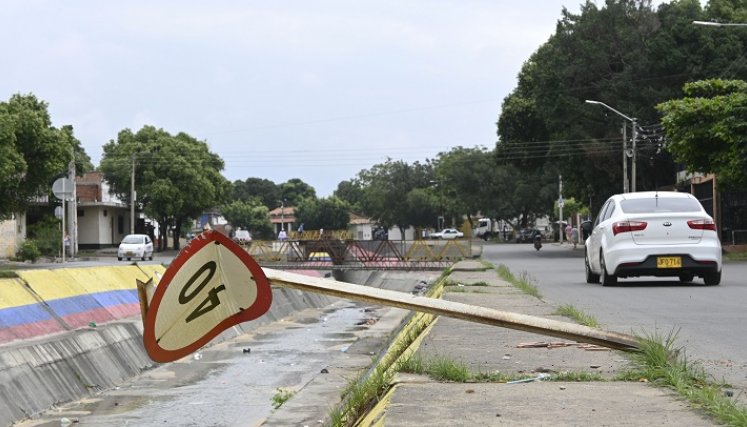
(524, 282)
(8, 274)
(464, 290)
(660, 363)
(457, 287)
(437, 368)
(577, 315)
(453, 283)
(488, 265)
(361, 395)
(281, 396)
(735, 256)
(494, 377)
(443, 369)
(576, 377)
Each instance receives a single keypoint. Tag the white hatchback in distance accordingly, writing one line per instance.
(135, 246)
(654, 233)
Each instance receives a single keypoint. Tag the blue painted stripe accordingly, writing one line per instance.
(77, 304)
(25, 314)
(14, 316)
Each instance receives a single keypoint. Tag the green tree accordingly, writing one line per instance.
(177, 177)
(707, 129)
(424, 207)
(293, 191)
(329, 213)
(251, 215)
(267, 191)
(351, 192)
(629, 56)
(385, 191)
(82, 159)
(32, 152)
(465, 177)
(571, 207)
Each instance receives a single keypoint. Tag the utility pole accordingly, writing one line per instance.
(132, 197)
(561, 203)
(73, 223)
(635, 152)
(625, 157)
(282, 214)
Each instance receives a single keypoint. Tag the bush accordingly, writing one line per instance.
(46, 236)
(29, 251)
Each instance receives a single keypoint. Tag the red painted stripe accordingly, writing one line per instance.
(30, 330)
(102, 315)
(78, 320)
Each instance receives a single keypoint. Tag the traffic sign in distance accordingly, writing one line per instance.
(211, 285)
(62, 188)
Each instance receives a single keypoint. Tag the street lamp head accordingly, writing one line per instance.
(706, 23)
(589, 101)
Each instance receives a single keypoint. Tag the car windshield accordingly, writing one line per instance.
(660, 204)
(133, 239)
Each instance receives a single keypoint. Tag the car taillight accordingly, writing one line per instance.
(628, 226)
(702, 224)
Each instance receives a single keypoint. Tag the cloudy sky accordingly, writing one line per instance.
(316, 90)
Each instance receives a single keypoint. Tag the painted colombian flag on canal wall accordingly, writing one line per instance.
(42, 302)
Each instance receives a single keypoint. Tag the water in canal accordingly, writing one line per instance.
(229, 384)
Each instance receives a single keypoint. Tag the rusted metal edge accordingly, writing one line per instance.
(145, 293)
(453, 309)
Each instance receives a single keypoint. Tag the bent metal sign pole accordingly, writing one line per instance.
(214, 284)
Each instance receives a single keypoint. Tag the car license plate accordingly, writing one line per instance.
(668, 262)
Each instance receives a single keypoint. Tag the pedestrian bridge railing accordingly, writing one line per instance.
(359, 254)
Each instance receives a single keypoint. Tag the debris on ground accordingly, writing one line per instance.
(562, 344)
(539, 377)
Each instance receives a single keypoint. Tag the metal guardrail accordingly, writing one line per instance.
(359, 254)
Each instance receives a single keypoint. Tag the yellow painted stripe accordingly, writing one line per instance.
(51, 284)
(69, 282)
(14, 294)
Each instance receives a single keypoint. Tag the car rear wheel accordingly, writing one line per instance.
(591, 277)
(119, 258)
(686, 277)
(607, 279)
(712, 279)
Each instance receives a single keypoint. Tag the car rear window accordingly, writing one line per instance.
(660, 204)
(133, 239)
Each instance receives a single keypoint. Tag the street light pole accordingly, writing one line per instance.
(282, 214)
(635, 155)
(634, 121)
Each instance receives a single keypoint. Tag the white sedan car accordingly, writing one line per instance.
(135, 246)
(447, 234)
(656, 233)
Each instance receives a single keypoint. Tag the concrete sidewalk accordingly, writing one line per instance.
(419, 400)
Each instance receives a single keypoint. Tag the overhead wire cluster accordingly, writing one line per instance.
(250, 158)
(650, 138)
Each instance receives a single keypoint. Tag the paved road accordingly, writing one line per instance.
(709, 321)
